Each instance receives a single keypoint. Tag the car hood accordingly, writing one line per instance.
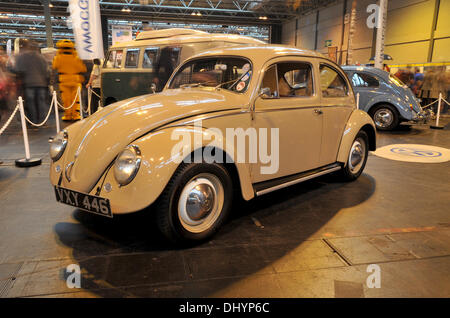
(96, 141)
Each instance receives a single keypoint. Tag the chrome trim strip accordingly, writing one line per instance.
(269, 110)
(301, 179)
(207, 116)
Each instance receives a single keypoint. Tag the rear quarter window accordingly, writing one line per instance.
(364, 80)
(332, 83)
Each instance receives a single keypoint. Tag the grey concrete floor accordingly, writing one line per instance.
(315, 239)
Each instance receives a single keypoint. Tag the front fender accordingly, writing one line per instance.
(358, 120)
(158, 164)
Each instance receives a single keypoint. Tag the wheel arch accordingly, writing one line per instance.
(157, 167)
(371, 133)
(359, 120)
(380, 103)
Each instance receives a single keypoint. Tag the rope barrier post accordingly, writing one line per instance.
(81, 103)
(27, 161)
(357, 101)
(55, 104)
(438, 114)
(89, 100)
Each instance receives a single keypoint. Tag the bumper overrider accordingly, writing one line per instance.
(422, 117)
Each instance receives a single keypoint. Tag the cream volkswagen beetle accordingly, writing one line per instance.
(260, 117)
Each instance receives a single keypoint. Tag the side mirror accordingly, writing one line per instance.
(153, 88)
(265, 92)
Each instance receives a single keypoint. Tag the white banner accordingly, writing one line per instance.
(381, 32)
(8, 47)
(87, 28)
(121, 33)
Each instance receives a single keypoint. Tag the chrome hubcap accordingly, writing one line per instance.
(383, 117)
(357, 155)
(200, 202)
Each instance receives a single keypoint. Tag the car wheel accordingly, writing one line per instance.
(357, 157)
(195, 202)
(110, 100)
(385, 117)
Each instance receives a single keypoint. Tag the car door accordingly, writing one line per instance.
(337, 103)
(291, 105)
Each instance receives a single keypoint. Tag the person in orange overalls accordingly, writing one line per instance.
(69, 67)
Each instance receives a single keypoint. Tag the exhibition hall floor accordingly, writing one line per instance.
(315, 239)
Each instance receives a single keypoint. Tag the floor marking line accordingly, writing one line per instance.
(338, 252)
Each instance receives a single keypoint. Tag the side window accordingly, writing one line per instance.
(295, 79)
(269, 83)
(132, 58)
(364, 80)
(149, 57)
(332, 83)
(114, 59)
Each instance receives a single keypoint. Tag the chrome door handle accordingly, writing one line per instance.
(318, 112)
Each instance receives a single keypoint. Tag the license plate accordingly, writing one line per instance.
(84, 201)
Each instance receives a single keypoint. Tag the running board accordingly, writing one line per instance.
(280, 183)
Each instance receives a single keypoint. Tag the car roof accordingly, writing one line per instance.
(176, 36)
(369, 69)
(265, 51)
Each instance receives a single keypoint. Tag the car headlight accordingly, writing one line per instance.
(58, 145)
(127, 164)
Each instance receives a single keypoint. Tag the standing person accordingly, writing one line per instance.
(418, 81)
(94, 82)
(3, 82)
(69, 67)
(32, 68)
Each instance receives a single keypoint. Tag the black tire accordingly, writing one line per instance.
(391, 114)
(347, 173)
(167, 212)
(110, 100)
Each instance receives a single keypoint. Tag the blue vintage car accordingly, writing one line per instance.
(387, 100)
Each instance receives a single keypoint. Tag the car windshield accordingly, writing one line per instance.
(231, 73)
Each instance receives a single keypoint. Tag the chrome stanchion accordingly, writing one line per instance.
(27, 161)
(438, 114)
(81, 103)
(55, 104)
(89, 100)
